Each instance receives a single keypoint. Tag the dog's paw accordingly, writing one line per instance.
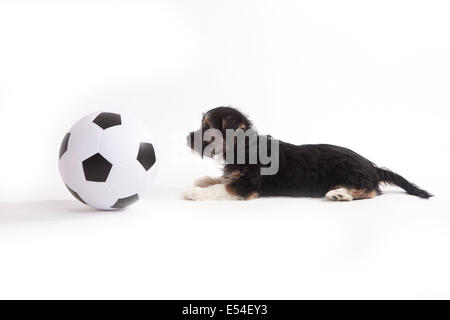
(193, 193)
(340, 194)
(206, 182)
(214, 192)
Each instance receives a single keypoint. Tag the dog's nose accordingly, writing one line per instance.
(190, 140)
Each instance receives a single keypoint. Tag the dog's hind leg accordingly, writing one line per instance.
(348, 194)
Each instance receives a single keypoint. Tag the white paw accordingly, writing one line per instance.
(340, 194)
(214, 192)
(193, 193)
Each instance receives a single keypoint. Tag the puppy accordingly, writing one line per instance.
(319, 170)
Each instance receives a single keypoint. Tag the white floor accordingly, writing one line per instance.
(393, 246)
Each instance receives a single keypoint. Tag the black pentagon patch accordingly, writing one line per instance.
(75, 194)
(96, 168)
(107, 120)
(64, 145)
(146, 155)
(125, 202)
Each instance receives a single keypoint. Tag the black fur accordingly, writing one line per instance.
(304, 170)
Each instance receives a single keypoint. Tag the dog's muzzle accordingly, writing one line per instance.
(194, 141)
(190, 140)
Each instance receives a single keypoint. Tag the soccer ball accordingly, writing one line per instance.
(107, 160)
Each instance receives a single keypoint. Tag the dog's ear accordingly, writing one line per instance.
(229, 122)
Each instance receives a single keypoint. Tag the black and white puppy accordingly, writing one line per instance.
(319, 170)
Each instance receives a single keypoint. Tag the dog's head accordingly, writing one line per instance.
(217, 120)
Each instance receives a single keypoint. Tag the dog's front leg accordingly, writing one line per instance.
(208, 181)
(213, 192)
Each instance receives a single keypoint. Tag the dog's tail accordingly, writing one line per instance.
(390, 177)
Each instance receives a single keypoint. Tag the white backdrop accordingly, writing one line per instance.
(373, 76)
